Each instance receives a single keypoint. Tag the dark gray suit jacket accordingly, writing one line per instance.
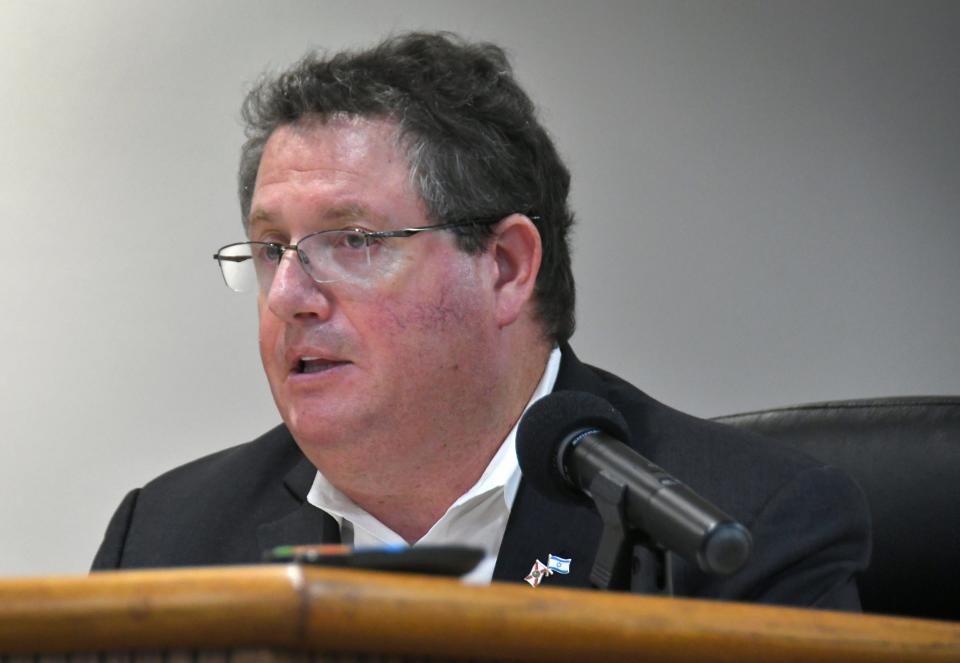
(809, 522)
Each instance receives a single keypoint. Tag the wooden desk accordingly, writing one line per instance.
(277, 613)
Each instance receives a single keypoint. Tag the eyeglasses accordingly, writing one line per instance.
(328, 256)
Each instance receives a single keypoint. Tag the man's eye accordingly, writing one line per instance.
(268, 252)
(352, 241)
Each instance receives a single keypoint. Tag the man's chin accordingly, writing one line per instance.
(328, 427)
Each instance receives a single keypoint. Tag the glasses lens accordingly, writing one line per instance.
(237, 266)
(327, 257)
(337, 255)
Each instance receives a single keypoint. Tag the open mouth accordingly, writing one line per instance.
(316, 365)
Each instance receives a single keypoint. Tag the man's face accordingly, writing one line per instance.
(382, 357)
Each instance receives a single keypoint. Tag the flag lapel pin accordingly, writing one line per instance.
(540, 570)
(559, 565)
(537, 573)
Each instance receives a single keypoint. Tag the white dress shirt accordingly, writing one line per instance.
(477, 518)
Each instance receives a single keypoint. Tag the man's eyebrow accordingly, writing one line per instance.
(339, 214)
(259, 216)
(349, 212)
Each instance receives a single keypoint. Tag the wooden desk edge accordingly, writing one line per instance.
(315, 609)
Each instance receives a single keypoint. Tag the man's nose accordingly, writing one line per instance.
(293, 294)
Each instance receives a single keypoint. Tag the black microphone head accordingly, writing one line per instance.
(546, 428)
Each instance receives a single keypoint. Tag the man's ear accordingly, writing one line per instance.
(517, 251)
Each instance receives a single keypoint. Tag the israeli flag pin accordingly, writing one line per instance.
(558, 564)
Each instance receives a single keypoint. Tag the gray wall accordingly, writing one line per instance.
(768, 197)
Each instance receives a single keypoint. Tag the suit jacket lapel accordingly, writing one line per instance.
(305, 523)
(538, 526)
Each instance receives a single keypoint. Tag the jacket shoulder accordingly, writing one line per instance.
(264, 458)
(208, 510)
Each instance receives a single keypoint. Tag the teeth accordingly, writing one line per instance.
(313, 364)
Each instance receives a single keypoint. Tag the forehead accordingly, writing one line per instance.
(340, 162)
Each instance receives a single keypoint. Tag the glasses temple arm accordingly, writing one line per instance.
(218, 257)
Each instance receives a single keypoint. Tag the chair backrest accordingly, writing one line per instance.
(905, 454)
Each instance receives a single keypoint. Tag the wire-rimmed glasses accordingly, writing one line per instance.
(327, 256)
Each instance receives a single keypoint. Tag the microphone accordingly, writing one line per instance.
(570, 444)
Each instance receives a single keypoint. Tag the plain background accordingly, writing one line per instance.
(767, 195)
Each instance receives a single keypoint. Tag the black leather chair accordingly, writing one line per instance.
(905, 454)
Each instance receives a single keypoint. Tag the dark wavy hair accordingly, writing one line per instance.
(474, 145)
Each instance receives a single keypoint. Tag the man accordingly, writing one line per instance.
(407, 222)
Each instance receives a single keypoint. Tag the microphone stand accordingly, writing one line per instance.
(617, 565)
